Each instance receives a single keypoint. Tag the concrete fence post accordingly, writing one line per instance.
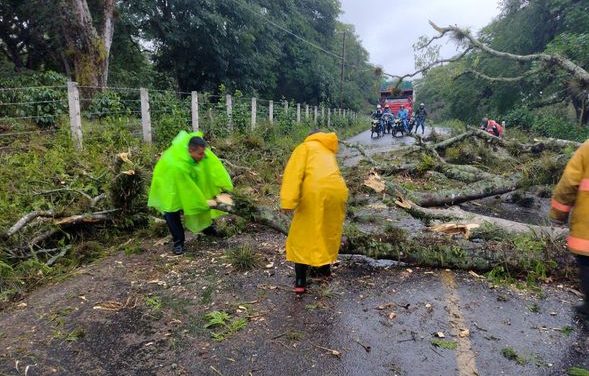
(254, 113)
(73, 95)
(271, 112)
(315, 115)
(229, 104)
(298, 112)
(145, 116)
(194, 101)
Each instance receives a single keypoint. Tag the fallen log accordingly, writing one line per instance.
(429, 251)
(481, 189)
(461, 216)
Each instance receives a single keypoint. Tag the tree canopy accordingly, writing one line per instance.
(281, 48)
(555, 27)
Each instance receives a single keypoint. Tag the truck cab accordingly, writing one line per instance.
(395, 97)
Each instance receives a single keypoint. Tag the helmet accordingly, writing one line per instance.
(378, 107)
(484, 121)
(421, 105)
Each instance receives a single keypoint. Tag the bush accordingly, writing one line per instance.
(42, 97)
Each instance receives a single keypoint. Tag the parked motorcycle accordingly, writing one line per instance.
(387, 122)
(376, 128)
(398, 128)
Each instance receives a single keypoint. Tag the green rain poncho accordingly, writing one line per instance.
(179, 183)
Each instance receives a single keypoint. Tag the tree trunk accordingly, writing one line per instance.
(90, 50)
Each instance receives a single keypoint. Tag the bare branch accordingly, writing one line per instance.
(25, 220)
(498, 79)
(430, 66)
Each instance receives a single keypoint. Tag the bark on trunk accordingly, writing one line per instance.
(90, 49)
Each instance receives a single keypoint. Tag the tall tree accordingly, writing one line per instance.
(89, 38)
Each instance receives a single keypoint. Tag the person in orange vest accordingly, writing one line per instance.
(492, 127)
(573, 191)
(314, 189)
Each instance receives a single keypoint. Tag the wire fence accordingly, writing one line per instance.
(153, 115)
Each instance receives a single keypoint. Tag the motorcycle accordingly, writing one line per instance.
(398, 127)
(387, 123)
(376, 128)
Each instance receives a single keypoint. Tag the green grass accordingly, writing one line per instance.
(222, 320)
(511, 354)
(444, 344)
(577, 371)
(243, 258)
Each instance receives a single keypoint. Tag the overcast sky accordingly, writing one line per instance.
(388, 28)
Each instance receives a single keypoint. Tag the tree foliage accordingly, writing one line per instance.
(557, 27)
(194, 45)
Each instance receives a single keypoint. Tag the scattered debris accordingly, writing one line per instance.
(335, 353)
(366, 347)
(464, 333)
(455, 229)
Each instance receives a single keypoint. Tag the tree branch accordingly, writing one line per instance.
(564, 63)
(498, 79)
(430, 66)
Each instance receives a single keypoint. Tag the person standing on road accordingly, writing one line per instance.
(573, 191)
(314, 189)
(420, 116)
(186, 176)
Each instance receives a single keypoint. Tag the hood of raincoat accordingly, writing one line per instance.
(329, 140)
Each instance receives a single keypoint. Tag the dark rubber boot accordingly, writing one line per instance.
(583, 308)
(300, 278)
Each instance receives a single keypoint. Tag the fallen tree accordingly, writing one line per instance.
(431, 249)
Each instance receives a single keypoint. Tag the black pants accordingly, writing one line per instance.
(583, 262)
(420, 123)
(301, 273)
(174, 222)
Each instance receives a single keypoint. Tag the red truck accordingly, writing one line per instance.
(396, 97)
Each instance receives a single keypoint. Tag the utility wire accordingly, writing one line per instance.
(268, 20)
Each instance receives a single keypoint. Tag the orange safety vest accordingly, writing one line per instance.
(571, 197)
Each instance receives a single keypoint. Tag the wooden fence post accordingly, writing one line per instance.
(254, 113)
(298, 112)
(145, 116)
(75, 117)
(323, 115)
(271, 112)
(285, 108)
(229, 104)
(306, 112)
(329, 117)
(315, 117)
(195, 125)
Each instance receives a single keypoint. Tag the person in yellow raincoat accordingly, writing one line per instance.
(570, 200)
(186, 176)
(313, 187)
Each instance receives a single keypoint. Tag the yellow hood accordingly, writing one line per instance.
(329, 140)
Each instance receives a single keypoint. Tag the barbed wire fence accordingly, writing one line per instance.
(153, 115)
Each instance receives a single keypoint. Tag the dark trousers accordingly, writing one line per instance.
(301, 273)
(583, 262)
(174, 222)
(420, 123)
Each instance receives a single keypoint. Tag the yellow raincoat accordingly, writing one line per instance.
(572, 195)
(313, 186)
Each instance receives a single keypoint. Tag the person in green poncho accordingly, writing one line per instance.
(186, 176)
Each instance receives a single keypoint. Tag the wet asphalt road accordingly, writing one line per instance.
(382, 320)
